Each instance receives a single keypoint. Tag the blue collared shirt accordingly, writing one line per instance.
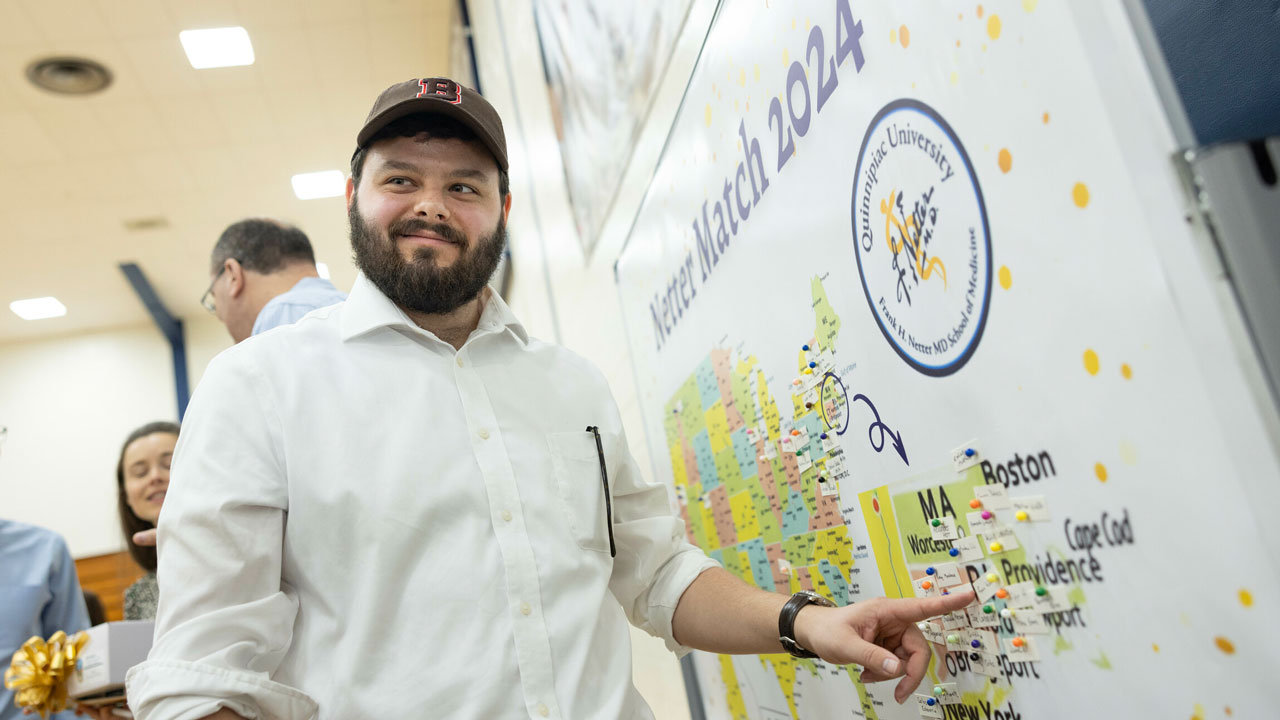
(39, 595)
(287, 308)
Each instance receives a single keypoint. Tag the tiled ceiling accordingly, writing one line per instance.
(198, 148)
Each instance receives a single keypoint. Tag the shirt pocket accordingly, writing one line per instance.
(575, 463)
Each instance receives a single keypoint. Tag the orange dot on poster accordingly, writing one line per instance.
(1101, 471)
(1005, 159)
(904, 36)
(1046, 118)
(1155, 647)
(1224, 645)
(1246, 598)
(1080, 194)
(979, 11)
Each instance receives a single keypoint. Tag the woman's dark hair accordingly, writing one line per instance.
(129, 522)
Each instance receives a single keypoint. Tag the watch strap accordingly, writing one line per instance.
(787, 621)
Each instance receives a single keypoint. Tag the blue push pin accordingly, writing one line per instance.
(805, 348)
(930, 702)
(813, 364)
(954, 552)
(975, 644)
(968, 452)
(930, 571)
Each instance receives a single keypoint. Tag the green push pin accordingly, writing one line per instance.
(953, 639)
(988, 609)
(937, 690)
(935, 522)
(1041, 591)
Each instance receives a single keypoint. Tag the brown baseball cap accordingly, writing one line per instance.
(441, 96)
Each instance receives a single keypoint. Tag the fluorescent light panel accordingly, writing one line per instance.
(38, 308)
(323, 184)
(217, 47)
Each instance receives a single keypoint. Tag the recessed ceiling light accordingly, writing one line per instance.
(323, 184)
(217, 47)
(38, 308)
(322, 270)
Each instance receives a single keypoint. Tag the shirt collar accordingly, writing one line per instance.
(367, 309)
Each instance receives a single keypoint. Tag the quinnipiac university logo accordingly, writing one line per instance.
(922, 240)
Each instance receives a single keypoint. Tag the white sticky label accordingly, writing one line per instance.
(1025, 651)
(1034, 506)
(985, 664)
(931, 590)
(932, 632)
(770, 451)
(970, 549)
(829, 487)
(1022, 596)
(1029, 622)
(987, 641)
(1055, 600)
(948, 574)
(835, 465)
(945, 529)
(979, 526)
(985, 590)
(956, 640)
(929, 707)
(957, 620)
(1005, 536)
(787, 444)
(965, 456)
(950, 693)
(803, 462)
(981, 619)
(829, 443)
(784, 566)
(993, 497)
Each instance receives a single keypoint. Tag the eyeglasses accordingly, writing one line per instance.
(207, 298)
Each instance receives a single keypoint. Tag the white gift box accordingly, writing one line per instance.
(112, 649)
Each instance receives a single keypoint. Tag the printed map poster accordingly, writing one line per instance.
(900, 323)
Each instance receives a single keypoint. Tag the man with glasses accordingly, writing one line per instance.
(264, 275)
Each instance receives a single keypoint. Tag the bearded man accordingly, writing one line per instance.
(403, 506)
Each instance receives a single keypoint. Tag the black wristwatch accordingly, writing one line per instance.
(787, 621)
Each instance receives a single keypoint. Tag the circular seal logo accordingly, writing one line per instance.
(922, 239)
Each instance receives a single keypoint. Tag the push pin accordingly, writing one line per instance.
(992, 577)
(805, 348)
(1021, 515)
(809, 406)
(975, 503)
(930, 571)
(954, 552)
(813, 364)
(821, 479)
(988, 609)
(922, 626)
(796, 382)
(1019, 642)
(1007, 613)
(795, 433)
(975, 644)
(808, 371)
(926, 585)
(953, 639)
(946, 592)
(996, 547)
(823, 436)
(937, 690)
(986, 514)
(968, 452)
(1041, 591)
(930, 702)
(935, 522)
(974, 657)
(1002, 593)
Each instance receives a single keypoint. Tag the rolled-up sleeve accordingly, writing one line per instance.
(225, 618)
(655, 563)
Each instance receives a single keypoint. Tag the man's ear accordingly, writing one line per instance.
(235, 285)
(351, 192)
(506, 208)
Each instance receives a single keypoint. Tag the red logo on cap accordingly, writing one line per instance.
(439, 87)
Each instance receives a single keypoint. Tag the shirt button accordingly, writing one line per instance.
(506, 515)
(543, 710)
(525, 609)
(459, 360)
(484, 434)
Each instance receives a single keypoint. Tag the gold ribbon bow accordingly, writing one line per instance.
(39, 672)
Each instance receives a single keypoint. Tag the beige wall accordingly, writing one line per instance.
(68, 403)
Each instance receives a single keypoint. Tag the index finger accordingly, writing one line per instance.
(917, 609)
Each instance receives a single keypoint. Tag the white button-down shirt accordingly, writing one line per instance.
(364, 523)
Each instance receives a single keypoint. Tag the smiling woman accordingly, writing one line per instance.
(142, 479)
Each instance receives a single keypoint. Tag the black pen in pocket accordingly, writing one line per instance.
(604, 477)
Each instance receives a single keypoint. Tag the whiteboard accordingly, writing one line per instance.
(950, 239)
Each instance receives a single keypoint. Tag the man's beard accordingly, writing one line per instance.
(421, 285)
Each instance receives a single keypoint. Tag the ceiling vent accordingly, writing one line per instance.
(146, 223)
(69, 75)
